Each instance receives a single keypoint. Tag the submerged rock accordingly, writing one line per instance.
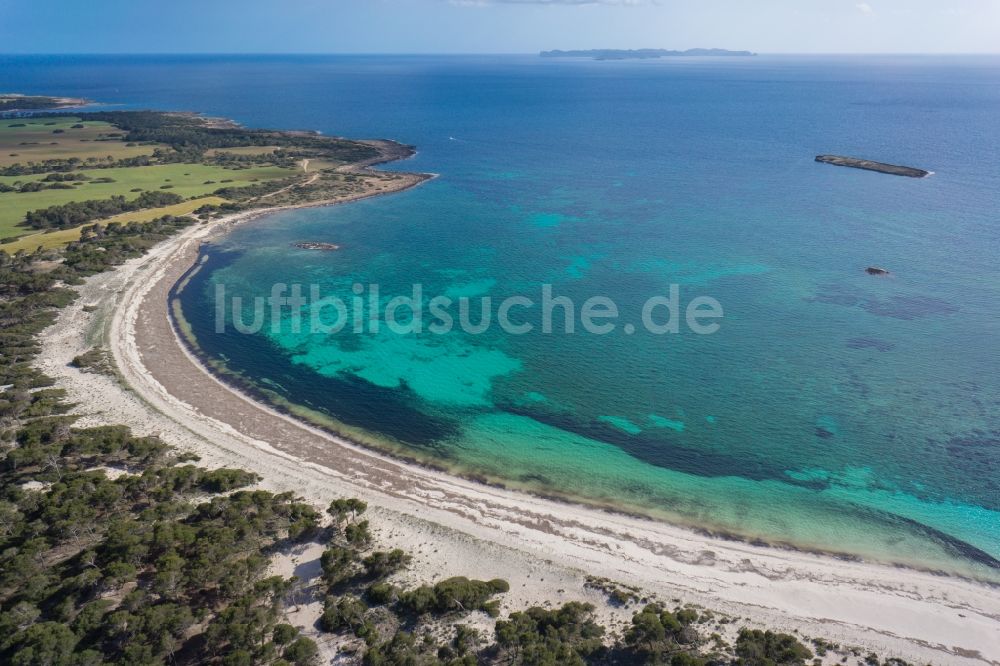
(315, 245)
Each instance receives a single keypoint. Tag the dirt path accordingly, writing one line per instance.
(308, 181)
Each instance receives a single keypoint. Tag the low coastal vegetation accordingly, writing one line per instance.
(80, 212)
(117, 549)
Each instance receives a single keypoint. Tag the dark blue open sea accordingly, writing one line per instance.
(832, 409)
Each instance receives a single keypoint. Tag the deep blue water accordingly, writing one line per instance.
(832, 409)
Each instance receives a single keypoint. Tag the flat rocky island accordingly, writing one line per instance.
(869, 165)
(641, 54)
(316, 245)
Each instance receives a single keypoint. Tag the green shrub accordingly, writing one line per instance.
(380, 594)
(381, 564)
(302, 652)
(453, 595)
(346, 613)
(766, 648)
(357, 534)
(567, 635)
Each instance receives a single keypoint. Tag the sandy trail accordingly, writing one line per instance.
(458, 527)
(308, 181)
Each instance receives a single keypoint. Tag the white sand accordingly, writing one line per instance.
(457, 527)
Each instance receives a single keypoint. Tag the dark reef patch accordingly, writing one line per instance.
(896, 307)
(536, 478)
(353, 401)
(953, 545)
(909, 307)
(976, 454)
(871, 343)
(656, 450)
(835, 298)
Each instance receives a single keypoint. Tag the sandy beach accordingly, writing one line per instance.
(545, 549)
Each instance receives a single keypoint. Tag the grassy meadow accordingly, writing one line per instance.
(25, 140)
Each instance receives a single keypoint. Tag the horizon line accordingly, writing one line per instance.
(482, 53)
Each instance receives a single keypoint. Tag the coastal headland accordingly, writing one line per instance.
(16, 102)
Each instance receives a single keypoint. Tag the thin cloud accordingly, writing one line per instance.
(865, 9)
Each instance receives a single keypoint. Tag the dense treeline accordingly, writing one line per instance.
(47, 183)
(59, 165)
(187, 138)
(138, 567)
(80, 212)
(29, 297)
(98, 570)
(190, 133)
(281, 158)
(28, 103)
(65, 177)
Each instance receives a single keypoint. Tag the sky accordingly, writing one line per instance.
(497, 26)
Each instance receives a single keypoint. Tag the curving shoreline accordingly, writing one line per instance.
(544, 547)
(373, 442)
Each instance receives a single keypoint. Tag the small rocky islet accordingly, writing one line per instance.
(871, 165)
(316, 245)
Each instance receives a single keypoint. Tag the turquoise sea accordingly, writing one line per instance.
(832, 410)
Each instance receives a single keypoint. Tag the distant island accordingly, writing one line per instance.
(869, 165)
(640, 54)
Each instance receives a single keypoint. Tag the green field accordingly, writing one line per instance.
(187, 180)
(36, 140)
